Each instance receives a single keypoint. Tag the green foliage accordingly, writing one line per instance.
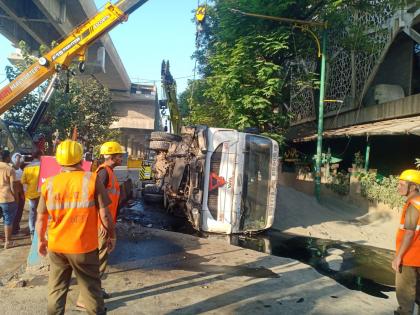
(358, 160)
(87, 107)
(340, 183)
(381, 190)
(244, 86)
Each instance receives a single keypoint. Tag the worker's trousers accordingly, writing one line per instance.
(86, 269)
(103, 262)
(407, 285)
(103, 254)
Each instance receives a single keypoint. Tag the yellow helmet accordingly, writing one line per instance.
(111, 147)
(69, 152)
(411, 176)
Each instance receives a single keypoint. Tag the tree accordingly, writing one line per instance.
(244, 61)
(87, 107)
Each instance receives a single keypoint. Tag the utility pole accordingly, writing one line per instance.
(322, 52)
(318, 161)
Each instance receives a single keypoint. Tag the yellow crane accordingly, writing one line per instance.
(60, 57)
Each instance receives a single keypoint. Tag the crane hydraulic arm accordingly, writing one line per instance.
(60, 57)
(169, 89)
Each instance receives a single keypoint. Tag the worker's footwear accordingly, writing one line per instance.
(82, 308)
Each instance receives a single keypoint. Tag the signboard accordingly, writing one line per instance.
(49, 167)
(131, 163)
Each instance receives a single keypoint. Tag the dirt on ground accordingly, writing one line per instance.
(333, 218)
(161, 272)
(13, 260)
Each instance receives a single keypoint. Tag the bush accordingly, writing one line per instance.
(340, 183)
(381, 189)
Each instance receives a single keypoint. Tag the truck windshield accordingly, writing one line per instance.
(256, 183)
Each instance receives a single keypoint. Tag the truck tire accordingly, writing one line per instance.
(159, 145)
(152, 194)
(164, 136)
(152, 189)
(153, 198)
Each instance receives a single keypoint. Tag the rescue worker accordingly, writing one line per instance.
(407, 257)
(73, 199)
(30, 180)
(112, 153)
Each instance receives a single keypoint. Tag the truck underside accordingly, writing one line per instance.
(178, 171)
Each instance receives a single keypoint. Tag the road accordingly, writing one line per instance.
(154, 271)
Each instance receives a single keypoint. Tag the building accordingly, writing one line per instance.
(136, 112)
(372, 96)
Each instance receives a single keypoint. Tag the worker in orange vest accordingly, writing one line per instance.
(407, 257)
(72, 199)
(112, 153)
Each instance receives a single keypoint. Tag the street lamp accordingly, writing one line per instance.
(304, 26)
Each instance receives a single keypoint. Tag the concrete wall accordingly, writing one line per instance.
(354, 197)
(408, 106)
(136, 119)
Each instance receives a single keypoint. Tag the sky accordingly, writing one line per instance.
(160, 29)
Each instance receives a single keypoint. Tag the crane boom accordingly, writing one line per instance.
(60, 57)
(169, 89)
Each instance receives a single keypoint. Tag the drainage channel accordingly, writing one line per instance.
(357, 267)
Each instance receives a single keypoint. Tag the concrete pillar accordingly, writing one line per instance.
(124, 140)
(130, 146)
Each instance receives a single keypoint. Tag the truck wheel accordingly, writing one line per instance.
(164, 136)
(159, 145)
(152, 189)
(153, 198)
(152, 194)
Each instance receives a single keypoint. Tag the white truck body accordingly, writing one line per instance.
(224, 181)
(246, 202)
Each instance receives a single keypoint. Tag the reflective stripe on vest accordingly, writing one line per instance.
(412, 255)
(402, 227)
(70, 201)
(82, 203)
(113, 190)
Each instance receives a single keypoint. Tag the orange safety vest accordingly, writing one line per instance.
(113, 190)
(70, 201)
(412, 255)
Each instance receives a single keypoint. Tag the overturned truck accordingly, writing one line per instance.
(222, 180)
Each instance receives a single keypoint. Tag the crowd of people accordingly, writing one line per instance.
(18, 183)
(73, 214)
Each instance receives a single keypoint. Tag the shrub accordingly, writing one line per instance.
(382, 189)
(340, 183)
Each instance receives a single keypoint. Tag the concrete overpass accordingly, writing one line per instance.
(43, 21)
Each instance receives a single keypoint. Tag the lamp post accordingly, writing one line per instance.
(320, 118)
(304, 26)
